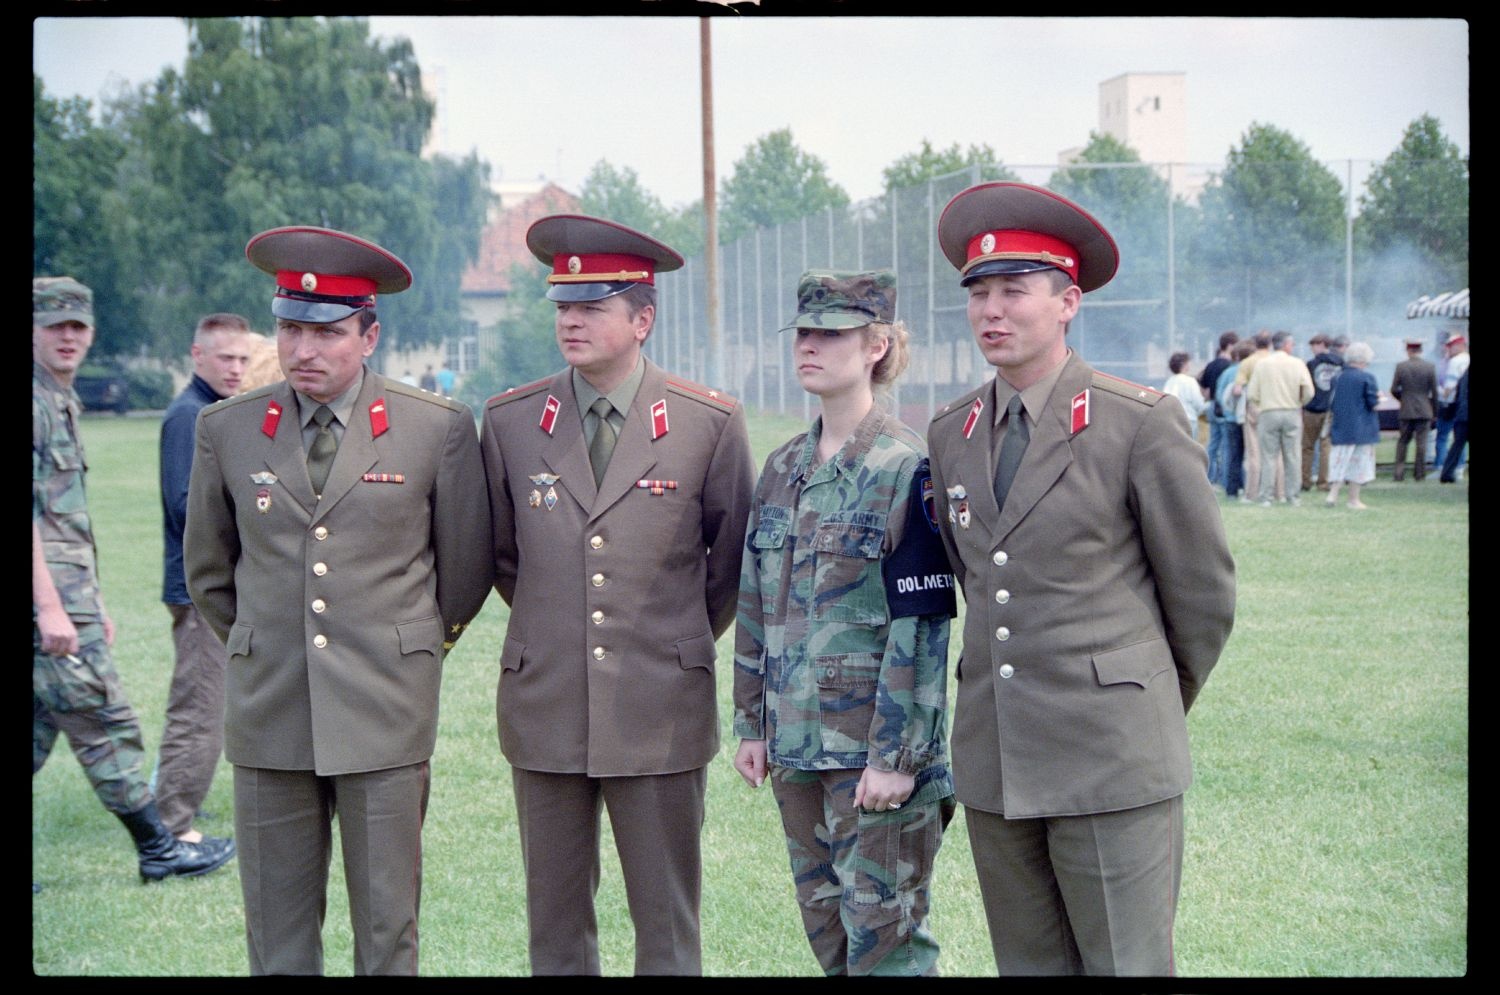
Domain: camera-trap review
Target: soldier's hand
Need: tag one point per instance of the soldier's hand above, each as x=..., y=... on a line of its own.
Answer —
x=750, y=761
x=880, y=790
x=59, y=634
x=109, y=628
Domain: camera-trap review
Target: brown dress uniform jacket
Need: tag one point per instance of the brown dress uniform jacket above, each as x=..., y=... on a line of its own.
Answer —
x=1118, y=595
x=618, y=593
x=335, y=613
x=1415, y=386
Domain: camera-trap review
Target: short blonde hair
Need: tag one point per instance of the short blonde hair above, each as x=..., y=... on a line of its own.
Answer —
x=264, y=366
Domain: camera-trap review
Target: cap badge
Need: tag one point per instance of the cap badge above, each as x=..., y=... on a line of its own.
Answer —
x=987, y=244
x=309, y=282
x=575, y=265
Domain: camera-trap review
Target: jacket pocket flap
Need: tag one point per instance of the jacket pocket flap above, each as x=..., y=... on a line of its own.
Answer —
x=420, y=635
x=1137, y=663
x=512, y=653
x=238, y=643
x=771, y=527
x=851, y=538
x=697, y=651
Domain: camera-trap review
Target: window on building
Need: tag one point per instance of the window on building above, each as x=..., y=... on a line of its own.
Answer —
x=462, y=351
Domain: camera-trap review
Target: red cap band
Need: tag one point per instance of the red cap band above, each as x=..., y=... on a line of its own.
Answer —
x=328, y=284
x=601, y=267
x=1015, y=244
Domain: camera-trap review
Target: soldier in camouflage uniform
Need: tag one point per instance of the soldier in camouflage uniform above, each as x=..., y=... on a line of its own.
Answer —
x=842, y=643
x=75, y=688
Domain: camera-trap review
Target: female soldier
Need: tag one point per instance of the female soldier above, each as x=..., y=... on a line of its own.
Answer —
x=842, y=644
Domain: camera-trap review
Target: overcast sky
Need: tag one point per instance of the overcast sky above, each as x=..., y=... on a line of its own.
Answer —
x=549, y=97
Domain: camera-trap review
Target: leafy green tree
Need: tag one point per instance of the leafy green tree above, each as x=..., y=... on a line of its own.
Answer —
x=772, y=183
x=277, y=121
x=927, y=163
x=73, y=164
x=1419, y=197
x=1273, y=228
x=617, y=194
x=1132, y=201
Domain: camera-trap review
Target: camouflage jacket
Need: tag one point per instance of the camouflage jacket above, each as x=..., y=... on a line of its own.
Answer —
x=58, y=506
x=839, y=662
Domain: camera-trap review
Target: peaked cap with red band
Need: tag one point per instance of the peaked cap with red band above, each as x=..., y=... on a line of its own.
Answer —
x=592, y=258
x=996, y=228
x=324, y=275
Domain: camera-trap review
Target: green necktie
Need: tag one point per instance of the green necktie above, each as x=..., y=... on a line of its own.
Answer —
x=603, y=444
x=1017, y=435
x=324, y=446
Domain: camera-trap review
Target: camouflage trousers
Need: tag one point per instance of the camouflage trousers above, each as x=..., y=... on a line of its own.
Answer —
x=862, y=878
x=81, y=696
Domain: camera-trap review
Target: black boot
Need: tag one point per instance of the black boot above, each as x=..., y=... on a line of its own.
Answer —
x=163, y=855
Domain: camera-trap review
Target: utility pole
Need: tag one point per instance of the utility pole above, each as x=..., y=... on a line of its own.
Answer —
x=710, y=213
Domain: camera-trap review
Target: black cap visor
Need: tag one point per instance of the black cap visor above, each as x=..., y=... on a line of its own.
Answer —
x=574, y=293
x=319, y=311
x=1007, y=267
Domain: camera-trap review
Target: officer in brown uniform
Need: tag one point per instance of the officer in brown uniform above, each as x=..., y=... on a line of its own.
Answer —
x=1415, y=386
x=620, y=496
x=336, y=540
x=1081, y=524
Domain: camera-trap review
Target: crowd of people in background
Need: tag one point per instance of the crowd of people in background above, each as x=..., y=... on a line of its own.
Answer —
x=1263, y=406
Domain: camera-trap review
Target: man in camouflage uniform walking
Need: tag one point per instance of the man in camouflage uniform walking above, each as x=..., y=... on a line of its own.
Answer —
x=75, y=688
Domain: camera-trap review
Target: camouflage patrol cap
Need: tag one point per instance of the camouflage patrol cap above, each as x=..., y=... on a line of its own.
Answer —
x=56, y=299
x=836, y=299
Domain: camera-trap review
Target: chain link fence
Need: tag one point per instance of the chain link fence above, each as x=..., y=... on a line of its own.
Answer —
x=1190, y=270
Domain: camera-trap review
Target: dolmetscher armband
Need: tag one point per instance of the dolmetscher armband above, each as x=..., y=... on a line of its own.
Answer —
x=918, y=579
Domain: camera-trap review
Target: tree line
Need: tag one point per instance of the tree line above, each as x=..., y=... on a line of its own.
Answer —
x=311, y=120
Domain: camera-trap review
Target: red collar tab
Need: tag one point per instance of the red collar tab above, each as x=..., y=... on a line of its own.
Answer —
x=658, y=419
x=378, y=421
x=325, y=284
x=273, y=418
x=549, y=414
x=973, y=418
x=601, y=267
x=1017, y=244
x=1080, y=409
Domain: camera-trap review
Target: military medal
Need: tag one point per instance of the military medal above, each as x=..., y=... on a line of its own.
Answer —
x=658, y=421
x=263, y=500
x=549, y=414
x=273, y=418
x=384, y=478
x=378, y=422
x=958, y=506
x=543, y=480
x=263, y=477
x=1080, y=409
x=973, y=418
x=657, y=487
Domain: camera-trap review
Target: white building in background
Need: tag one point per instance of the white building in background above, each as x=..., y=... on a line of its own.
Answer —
x=1148, y=112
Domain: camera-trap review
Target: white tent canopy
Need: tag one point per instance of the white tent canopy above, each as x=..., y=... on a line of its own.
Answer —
x=1454, y=304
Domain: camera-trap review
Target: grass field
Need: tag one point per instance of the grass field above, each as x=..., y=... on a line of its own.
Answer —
x=1327, y=833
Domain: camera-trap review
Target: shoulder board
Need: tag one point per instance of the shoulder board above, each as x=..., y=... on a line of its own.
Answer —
x=960, y=403
x=516, y=393
x=1125, y=388
x=698, y=392
x=418, y=394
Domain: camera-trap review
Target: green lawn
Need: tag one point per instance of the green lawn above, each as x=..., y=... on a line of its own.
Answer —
x=1327, y=831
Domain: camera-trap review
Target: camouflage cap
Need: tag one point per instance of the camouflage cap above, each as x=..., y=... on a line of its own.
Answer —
x=56, y=299
x=836, y=299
